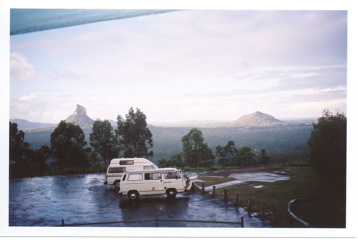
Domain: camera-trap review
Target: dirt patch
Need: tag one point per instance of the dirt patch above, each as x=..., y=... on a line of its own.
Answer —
x=227, y=172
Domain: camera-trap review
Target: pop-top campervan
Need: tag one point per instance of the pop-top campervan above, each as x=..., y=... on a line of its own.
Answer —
x=159, y=181
x=118, y=166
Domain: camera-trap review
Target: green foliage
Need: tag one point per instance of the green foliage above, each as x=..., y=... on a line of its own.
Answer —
x=134, y=135
x=16, y=142
x=26, y=162
x=264, y=158
x=194, y=148
x=67, y=144
x=104, y=141
x=327, y=149
x=246, y=156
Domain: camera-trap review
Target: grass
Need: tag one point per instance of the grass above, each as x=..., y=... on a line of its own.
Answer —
x=273, y=198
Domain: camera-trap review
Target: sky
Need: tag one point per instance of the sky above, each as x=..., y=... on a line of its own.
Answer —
x=183, y=66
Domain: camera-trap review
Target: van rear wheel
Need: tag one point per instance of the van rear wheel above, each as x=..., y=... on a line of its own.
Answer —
x=133, y=195
x=171, y=193
x=117, y=184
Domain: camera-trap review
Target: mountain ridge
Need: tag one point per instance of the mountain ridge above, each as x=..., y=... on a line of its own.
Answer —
x=80, y=117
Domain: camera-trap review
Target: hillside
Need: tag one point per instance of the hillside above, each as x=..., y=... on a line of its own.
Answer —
x=257, y=131
x=256, y=119
x=26, y=125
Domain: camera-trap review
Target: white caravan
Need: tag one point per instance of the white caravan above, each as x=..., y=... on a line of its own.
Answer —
x=159, y=181
x=118, y=166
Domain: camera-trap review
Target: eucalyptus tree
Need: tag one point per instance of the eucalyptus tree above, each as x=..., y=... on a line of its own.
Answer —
x=67, y=144
x=134, y=135
x=327, y=150
x=194, y=148
x=104, y=141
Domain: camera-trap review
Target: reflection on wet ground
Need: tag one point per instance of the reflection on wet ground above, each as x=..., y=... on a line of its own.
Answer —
x=45, y=201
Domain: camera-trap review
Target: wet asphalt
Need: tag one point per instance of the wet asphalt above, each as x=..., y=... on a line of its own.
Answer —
x=83, y=198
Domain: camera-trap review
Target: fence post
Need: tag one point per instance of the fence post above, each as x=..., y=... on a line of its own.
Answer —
x=242, y=222
x=237, y=202
x=203, y=187
x=214, y=188
x=63, y=222
x=156, y=220
x=274, y=218
x=225, y=195
x=249, y=207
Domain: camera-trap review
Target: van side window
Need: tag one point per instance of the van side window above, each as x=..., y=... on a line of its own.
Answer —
x=116, y=170
x=135, y=177
x=172, y=175
x=126, y=162
x=152, y=176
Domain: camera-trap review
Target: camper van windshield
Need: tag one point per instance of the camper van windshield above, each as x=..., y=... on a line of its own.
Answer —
x=126, y=162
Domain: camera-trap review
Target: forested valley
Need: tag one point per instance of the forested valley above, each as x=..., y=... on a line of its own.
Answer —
x=284, y=143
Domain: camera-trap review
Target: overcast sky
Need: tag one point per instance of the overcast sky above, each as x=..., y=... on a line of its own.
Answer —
x=184, y=65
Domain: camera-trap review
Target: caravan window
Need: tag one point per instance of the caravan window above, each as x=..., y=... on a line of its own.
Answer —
x=150, y=167
x=135, y=177
x=126, y=162
x=116, y=170
x=152, y=176
x=172, y=175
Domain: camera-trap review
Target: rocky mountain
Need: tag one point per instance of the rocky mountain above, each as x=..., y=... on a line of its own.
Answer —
x=256, y=119
x=80, y=117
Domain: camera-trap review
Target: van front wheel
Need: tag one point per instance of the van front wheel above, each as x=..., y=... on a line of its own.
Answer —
x=171, y=193
x=133, y=195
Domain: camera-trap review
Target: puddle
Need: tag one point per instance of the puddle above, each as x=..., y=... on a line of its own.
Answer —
x=250, y=177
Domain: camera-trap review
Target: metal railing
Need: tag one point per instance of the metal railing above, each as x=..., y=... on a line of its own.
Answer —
x=161, y=223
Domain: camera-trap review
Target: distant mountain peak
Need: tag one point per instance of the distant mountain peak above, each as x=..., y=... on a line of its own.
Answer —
x=80, y=117
x=80, y=111
x=256, y=119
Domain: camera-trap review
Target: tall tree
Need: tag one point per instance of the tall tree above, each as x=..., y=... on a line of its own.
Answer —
x=246, y=156
x=134, y=135
x=264, y=157
x=194, y=148
x=227, y=153
x=17, y=143
x=104, y=141
x=67, y=144
x=327, y=149
x=17, y=152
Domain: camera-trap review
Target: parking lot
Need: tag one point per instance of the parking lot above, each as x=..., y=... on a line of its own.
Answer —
x=46, y=201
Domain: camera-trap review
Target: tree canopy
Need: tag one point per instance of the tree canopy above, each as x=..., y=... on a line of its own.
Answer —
x=104, y=141
x=134, y=135
x=67, y=144
x=194, y=148
x=327, y=148
x=17, y=143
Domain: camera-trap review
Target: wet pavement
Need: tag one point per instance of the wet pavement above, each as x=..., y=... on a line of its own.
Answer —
x=250, y=177
x=46, y=201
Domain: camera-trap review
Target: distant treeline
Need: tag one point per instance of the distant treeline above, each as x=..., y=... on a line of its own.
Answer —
x=283, y=142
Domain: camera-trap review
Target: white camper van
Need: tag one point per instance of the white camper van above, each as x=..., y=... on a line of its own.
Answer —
x=118, y=166
x=159, y=181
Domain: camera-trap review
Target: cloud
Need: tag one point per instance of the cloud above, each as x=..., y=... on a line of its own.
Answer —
x=28, y=98
x=21, y=68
